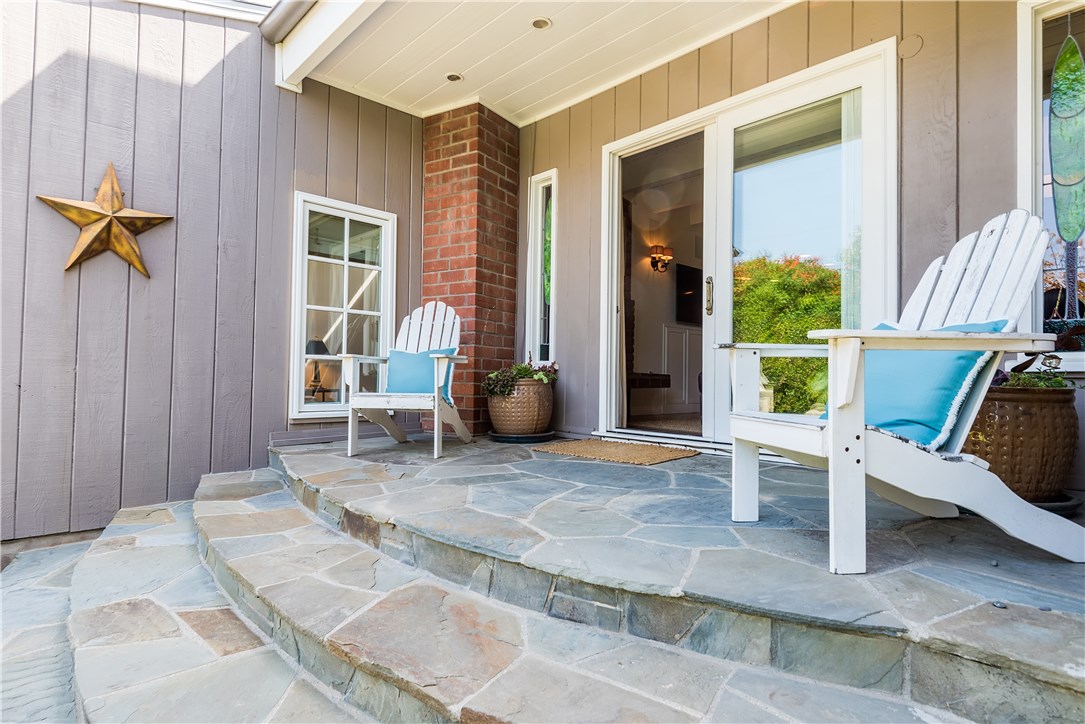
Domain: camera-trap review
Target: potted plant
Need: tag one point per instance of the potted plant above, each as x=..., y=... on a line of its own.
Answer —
x=1026, y=430
x=521, y=398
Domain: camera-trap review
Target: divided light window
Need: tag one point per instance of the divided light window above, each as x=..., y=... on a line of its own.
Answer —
x=343, y=299
x=542, y=217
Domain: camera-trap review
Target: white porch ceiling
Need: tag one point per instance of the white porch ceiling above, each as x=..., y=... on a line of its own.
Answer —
x=401, y=53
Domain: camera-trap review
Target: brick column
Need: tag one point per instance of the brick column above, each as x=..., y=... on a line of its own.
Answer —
x=470, y=201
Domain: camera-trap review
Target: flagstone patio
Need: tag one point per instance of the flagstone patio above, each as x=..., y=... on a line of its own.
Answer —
x=506, y=584
x=652, y=551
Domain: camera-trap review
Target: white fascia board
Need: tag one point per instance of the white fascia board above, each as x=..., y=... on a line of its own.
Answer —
x=316, y=35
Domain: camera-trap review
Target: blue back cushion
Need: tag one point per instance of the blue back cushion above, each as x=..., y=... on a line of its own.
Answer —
x=918, y=394
x=413, y=372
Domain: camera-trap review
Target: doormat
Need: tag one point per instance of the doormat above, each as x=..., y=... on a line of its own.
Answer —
x=617, y=452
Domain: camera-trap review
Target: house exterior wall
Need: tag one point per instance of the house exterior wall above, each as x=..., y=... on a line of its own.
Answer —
x=957, y=134
x=119, y=390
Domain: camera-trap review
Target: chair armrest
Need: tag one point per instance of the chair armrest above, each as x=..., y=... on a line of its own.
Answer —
x=954, y=341
x=779, y=350
x=456, y=358
x=364, y=358
x=351, y=366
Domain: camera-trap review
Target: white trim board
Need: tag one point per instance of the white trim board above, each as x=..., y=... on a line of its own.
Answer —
x=873, y=68
x=1030, y=17
x=299, y=254
x=252, y=11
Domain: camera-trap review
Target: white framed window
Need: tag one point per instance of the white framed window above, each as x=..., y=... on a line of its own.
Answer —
x=542, y=224
x=343, y=299
x=1041, y=27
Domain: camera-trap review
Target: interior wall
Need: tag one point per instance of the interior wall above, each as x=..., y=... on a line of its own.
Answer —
x=957, y=127
x=119, y=390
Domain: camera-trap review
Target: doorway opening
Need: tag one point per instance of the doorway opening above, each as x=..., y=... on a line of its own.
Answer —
x=662, y=293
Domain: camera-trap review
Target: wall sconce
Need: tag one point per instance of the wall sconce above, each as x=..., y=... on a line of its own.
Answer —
x=661, y=258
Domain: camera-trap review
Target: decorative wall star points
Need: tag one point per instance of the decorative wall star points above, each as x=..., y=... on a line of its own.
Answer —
x=105, y=224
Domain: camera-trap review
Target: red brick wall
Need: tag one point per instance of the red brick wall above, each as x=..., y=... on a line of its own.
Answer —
x=470, y=200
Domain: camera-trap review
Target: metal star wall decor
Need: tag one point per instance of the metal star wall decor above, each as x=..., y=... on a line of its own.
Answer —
x=105, y=224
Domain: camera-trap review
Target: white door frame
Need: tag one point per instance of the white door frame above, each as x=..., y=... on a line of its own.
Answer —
x=874, y=69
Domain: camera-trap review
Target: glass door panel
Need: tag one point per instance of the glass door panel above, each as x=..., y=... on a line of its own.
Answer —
x=796, y=240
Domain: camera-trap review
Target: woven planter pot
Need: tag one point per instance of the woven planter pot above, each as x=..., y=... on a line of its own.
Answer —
x=1029, y=437
x=525, y=412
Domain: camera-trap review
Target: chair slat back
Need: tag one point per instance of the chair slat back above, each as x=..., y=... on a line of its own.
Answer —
x=916, y=308
x=986, y=275
x=433, y=326
x=949, y=280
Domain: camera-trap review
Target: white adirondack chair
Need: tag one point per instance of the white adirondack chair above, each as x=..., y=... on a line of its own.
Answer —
x=987, y=276
x=433, y=326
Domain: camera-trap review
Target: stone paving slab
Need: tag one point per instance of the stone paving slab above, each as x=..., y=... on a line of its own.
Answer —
x=153, y=638
x=35, y=658
x=409, y=646
x=766, y=576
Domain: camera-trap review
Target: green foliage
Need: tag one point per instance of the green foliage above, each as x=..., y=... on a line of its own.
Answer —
x=1035, y=380
x=779, y=302
x=502, y=382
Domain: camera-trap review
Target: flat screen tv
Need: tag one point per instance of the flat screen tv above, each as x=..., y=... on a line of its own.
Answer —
x=688, y=295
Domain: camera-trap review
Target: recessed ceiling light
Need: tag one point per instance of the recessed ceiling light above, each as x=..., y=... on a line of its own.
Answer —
x=541, y=23
x=454, y=77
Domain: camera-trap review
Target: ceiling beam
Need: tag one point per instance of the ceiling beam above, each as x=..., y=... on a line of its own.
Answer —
x=327, y=24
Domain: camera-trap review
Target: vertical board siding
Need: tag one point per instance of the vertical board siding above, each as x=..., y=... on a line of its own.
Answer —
x=830, y=29
x=46, y=410
x=103, y=284
x=928, y=144
x=199, y=181
x=750, y=57
x=682, y=85
x=714, y=73
x=17, y=22
x=236, y=268
x=955, y=118
x=274, y=236
x=145, y=466
x=788, y=44
x=118, y=390
x=987, y=112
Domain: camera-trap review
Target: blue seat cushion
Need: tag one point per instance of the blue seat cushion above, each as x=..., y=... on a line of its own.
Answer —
x=918, y=394
x=412, y=372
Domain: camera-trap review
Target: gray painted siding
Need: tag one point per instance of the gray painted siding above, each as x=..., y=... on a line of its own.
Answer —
x=957, y=129
x=119, y=390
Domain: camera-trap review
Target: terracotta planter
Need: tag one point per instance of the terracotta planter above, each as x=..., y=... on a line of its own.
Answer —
x=1029, y=437
x=525, y=412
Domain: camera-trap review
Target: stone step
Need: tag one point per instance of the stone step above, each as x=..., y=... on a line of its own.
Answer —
x=154, y=638
x=405, y=645
x=652, y=553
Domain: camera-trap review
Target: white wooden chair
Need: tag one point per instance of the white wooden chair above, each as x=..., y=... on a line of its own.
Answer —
x=435, y=326
x=987, y=276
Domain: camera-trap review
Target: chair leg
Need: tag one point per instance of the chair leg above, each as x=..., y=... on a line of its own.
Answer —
x=452, y=417
x=382, y=418
x=438, y=425
x=352, y=432
x=745, y=480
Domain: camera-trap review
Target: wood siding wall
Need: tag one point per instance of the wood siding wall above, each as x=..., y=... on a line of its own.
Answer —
x=957, y=135
x=118, y=390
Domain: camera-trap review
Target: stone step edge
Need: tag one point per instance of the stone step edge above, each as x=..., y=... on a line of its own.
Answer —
x=267, y=644
x=587, y=603
x=396, y=697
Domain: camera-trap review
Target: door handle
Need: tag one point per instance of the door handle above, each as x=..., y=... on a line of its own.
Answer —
x=708, y=296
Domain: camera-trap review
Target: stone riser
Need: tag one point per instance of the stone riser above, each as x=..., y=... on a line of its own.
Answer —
x=926, y=670
x=394, y=647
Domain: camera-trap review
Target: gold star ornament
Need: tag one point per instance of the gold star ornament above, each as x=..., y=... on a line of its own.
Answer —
x=106, y=225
